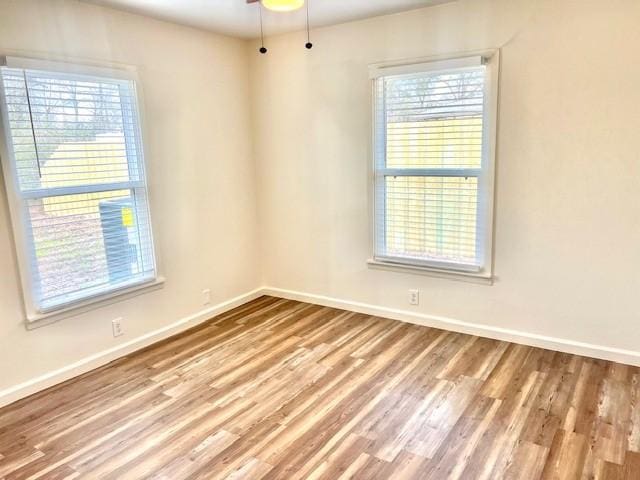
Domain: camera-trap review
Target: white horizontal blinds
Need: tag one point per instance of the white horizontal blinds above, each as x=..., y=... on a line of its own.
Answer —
x=429, y=167
x=79, y=127
x=78, y=166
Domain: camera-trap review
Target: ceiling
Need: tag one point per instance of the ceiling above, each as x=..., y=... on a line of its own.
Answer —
x=236, y=18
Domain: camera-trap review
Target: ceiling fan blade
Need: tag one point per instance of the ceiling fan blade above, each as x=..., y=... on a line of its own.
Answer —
x=252, y=1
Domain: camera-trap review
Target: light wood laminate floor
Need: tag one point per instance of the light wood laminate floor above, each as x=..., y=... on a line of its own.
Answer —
x=288, y=390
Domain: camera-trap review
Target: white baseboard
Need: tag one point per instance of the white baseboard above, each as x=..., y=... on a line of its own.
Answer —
x=87, y=364
x=619, y=355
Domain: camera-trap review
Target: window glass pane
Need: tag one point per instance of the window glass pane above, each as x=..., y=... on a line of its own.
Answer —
x=87, y=243
x=431, y=218
x=434, y=121
x=69, y=132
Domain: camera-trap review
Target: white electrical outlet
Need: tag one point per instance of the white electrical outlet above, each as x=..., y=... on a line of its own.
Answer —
x=414, y=297
x=206, y=296
x=116, y=325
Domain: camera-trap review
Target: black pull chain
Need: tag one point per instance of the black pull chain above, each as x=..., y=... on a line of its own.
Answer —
x=263, y=50
x=308, y=45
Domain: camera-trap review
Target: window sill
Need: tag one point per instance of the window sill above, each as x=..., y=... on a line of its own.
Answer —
x=36, y=320
x=481, y=278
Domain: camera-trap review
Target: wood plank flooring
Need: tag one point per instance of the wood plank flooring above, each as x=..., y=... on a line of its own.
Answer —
x=278, y=389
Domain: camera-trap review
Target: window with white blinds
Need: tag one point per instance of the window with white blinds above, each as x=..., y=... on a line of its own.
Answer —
x=433, y=165
x=74, y=166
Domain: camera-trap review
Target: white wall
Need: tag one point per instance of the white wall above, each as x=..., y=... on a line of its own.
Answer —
x=200, y=166
x=567, y=242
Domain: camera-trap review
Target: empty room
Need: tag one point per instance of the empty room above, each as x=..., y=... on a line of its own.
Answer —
x=320, y=239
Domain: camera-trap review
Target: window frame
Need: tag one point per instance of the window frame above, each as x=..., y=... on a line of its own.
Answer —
x=485, y=175
x=17, y=199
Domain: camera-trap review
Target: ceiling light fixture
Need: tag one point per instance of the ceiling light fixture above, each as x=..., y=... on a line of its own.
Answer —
x=283, y=5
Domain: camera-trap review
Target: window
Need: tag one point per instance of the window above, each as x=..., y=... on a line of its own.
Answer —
x=433, y=128
x=74, y=171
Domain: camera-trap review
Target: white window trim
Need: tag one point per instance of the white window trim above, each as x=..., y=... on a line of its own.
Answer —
x=33, y=316
x=491, y=59
x=93, y=303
